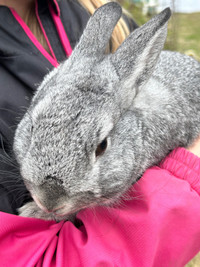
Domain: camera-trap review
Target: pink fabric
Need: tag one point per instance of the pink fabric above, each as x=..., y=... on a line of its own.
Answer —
x=31, y=36
x=157, y=225
x=57, y=7
x=61, y=31
x=43, y=31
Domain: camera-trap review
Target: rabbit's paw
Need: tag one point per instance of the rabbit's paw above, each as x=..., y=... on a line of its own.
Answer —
x=32, y=210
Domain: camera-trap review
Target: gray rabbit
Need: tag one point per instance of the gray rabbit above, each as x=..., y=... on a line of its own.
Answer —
x=98, y=121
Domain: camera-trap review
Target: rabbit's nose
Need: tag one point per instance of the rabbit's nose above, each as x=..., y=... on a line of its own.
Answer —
x=38, y=202
x=42, y=207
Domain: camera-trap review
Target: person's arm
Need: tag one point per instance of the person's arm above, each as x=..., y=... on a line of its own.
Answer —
x=157, y=224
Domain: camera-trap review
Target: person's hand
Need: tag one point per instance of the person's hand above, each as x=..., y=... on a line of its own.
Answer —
x=195, y=147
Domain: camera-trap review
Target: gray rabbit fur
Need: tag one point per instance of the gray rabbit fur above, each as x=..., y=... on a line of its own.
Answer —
x=135, y=105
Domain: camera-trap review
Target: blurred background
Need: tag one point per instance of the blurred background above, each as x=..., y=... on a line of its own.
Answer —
x=184, y=25
x=183, y=32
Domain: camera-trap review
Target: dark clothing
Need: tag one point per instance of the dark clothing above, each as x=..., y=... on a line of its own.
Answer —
x=22, y=68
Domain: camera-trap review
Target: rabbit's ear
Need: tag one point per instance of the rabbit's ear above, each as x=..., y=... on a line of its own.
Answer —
x=136, y=58
x=98, y=30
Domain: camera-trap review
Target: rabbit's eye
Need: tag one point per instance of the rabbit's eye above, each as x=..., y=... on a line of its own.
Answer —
x=32, y=129
x=101, y=148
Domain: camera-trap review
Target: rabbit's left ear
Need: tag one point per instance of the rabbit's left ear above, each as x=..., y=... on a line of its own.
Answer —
x=98, y=31
x=136, y=58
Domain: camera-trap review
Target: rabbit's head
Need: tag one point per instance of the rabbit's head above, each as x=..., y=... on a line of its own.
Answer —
x=68, y=147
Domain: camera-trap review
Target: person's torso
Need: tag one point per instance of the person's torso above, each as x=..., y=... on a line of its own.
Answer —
x=23, y=60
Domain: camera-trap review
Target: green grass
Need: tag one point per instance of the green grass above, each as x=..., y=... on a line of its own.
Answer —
x=183, y=30
x=184, y=34
x=135, y=11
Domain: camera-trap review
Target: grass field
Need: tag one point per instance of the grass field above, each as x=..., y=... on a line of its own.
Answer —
x=184, y=34
x=183, y=30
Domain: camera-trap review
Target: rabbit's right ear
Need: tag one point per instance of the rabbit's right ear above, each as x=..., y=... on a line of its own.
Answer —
x=98, y=31
x=136, y=58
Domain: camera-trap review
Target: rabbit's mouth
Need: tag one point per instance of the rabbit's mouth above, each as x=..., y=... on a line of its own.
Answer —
x=59, y=211
x=55, y=211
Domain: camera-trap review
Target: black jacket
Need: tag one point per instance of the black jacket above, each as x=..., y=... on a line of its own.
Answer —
x=22, y=68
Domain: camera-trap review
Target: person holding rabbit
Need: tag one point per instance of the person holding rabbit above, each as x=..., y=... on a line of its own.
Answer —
x=150, y=225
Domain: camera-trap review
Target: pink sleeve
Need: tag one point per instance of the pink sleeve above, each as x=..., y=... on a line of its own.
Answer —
x=157, y=224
